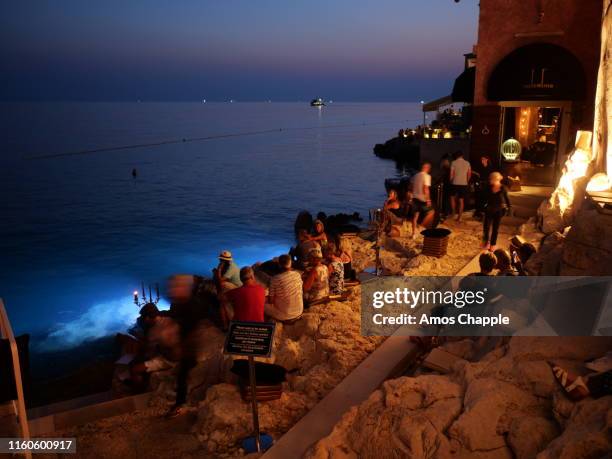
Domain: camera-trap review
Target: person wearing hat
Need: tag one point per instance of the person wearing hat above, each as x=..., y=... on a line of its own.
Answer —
x=316, y=278
x=227, y=271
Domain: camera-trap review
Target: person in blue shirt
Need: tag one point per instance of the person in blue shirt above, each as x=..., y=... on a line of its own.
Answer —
x=227, y=270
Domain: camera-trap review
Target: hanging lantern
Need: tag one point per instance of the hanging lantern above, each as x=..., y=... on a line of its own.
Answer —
x=511, y=149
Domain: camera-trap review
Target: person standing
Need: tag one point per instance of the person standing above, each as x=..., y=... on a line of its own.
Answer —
x=446, y=186
x=497, y=204
x=460, y=177
x=421, y=197
x=482, y=173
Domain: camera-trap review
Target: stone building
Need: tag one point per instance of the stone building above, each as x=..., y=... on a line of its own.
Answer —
x=535, y=83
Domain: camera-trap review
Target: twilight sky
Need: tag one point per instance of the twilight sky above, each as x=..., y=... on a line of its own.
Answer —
x=360, y=50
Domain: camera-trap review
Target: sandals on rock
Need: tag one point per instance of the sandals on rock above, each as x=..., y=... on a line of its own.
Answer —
x=575, y=386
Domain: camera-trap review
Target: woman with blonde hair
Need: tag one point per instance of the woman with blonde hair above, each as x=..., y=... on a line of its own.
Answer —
x=497, y=204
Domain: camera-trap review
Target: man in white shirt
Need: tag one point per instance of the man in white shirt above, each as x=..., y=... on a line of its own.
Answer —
x=421, y=198
x=460, y=177
x=285, y=300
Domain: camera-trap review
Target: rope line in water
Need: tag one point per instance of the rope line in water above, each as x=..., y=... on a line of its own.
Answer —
x=201, y=139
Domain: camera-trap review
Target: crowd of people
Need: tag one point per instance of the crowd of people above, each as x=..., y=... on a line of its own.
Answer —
x=458, y=183
x=315, y=271
x=503, y=262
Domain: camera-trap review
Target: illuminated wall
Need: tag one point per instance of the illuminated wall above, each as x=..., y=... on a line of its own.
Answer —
x=602, y=147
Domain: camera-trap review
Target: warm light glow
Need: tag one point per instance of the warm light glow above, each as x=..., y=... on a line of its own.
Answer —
x=575, y=167
x=448, y=135
x=599, y=182
x=511, y=149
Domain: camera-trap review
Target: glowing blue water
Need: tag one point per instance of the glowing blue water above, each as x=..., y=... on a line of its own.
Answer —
x=78, y=233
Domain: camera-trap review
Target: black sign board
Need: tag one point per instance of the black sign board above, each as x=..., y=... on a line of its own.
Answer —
x=250, y=338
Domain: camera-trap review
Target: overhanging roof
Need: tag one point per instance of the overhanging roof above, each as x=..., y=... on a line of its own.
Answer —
x=463, y=89
x=434, y=104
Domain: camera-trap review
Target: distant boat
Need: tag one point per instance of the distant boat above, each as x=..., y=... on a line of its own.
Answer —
x=317, y=102
x=203, y=101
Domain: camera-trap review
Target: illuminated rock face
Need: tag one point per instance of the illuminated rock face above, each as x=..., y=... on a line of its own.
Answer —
x=602, y=146
x=558, y=211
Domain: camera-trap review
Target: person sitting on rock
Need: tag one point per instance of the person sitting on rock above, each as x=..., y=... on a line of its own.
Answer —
x=285, y=297
x=249, y=300
x=318, y=233
x=162, y=343
x=392, y=202
x=487, y=262
x=346, y=255
x=391, y=210
x=504, y=263
x=521, y=255
x=305, y=245
x=226, y=271
x=316, y=278
x=421, y=198
x=335, y=269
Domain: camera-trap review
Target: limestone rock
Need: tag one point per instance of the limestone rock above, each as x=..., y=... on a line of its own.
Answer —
x=405, y=418
x=586, y=434
x=228, y=418
x=551, y=216
x=547, y=260
x=392, y=263
x=363, y=253
x=581, y=348
x=588, y=246
x=489, y=405
x=530, y=435
x=319, y=350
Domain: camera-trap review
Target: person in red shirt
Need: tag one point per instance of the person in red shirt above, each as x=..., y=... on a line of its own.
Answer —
x=249, y=299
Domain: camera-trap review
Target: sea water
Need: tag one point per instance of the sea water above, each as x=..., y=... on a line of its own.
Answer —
x=79, y=233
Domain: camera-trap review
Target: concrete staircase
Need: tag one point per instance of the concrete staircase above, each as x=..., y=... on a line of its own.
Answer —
x=525, y=203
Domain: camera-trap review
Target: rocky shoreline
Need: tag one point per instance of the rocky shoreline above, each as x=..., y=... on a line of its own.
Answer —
x=318, y=351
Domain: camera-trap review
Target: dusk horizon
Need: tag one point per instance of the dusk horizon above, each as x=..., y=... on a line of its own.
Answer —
x=345, y=51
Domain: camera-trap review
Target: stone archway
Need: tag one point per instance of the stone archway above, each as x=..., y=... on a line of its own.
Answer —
x=538, y=71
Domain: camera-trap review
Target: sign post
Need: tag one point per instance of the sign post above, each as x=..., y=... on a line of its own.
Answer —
x=252, y=380
x=251, y=339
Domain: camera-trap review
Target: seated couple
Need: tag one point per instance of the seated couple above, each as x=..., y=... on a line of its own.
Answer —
x=248, y=302
x=308, y=240
x=415, y=205
x=324, y=276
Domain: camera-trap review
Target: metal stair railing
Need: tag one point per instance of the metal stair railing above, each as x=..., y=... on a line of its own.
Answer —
x=6, y=332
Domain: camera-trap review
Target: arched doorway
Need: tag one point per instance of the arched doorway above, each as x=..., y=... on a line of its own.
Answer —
x=536, y=86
